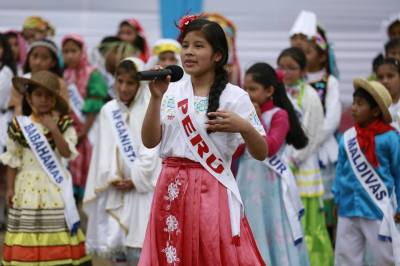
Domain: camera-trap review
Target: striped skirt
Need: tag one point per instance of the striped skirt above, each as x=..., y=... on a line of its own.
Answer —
x=41, y=237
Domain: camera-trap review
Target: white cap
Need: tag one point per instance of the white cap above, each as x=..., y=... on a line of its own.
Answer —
x=306, y=23
x=388, y=22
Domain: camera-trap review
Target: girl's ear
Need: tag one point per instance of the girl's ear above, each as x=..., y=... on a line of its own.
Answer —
x=269, y=91
x=217, y=56
x=323, y=59
x=376, y=112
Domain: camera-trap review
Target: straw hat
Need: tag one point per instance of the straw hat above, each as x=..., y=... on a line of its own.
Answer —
x=46, y=80
x=380, y=94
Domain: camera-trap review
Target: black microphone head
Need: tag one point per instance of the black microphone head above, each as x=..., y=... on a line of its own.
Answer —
x=176, y=72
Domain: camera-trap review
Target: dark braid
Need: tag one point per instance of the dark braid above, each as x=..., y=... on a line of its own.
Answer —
x=215, y=36
x=220, y=81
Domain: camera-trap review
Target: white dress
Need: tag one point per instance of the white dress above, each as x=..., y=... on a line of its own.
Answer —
x=119, y=219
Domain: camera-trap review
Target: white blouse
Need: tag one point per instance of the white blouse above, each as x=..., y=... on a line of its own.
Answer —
x=232, y=99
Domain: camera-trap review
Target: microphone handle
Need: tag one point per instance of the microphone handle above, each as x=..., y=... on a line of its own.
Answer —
x=153, y=74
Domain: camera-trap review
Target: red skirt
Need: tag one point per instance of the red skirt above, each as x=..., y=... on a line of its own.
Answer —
x=79, y=167
x=189, y=222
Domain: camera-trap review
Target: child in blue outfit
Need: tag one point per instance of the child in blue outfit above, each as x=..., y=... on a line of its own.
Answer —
x=367, y=181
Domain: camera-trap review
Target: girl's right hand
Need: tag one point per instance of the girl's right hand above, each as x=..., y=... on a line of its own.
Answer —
x=159, y=86
x=9, y=198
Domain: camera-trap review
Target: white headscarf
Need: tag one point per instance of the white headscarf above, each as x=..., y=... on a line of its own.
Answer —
x=139, y=105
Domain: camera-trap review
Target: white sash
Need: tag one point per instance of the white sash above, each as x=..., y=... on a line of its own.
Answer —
x=376, y=189
x=291, y=197
x=50, y=164
x=202, y=147
x=76, y=101
x=121, y=132
x=290, y=194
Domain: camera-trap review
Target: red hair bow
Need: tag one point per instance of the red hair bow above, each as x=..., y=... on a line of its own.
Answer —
x=185, y=20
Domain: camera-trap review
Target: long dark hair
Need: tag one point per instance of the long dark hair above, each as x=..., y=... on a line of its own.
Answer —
x=8, y=58
x=215, y=36
x=26, y=108
x=296, y=54
x=139, y=42
x=266, y=76
x=56, y=69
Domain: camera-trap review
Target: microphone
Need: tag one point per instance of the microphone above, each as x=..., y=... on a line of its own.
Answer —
x=176, y=73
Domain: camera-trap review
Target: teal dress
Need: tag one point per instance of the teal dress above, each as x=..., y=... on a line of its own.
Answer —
x=260, y=189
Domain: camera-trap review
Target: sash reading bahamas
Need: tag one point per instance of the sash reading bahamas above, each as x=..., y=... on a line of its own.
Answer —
x=44, y=152
x=372, y=181
x=50, y=164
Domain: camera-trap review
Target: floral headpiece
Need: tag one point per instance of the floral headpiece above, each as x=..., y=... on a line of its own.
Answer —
x=185, y=20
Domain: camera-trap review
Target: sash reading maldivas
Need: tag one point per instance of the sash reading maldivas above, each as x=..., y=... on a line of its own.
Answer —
x=376, y=189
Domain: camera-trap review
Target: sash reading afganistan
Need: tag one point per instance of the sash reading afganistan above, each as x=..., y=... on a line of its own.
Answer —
x=121, y=132
x=376, y=190
x=50, y=164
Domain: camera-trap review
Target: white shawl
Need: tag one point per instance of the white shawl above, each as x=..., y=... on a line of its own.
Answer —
x=118, y=219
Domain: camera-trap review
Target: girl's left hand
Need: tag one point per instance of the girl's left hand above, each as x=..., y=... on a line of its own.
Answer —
x=47, y=120
x=226, y=122
x=397, y=218
x=124, y=185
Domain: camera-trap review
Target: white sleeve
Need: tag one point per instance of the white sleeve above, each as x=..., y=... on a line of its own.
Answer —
x=6, y=76
x=333, y=109
x=312, y=121
x=146, y=169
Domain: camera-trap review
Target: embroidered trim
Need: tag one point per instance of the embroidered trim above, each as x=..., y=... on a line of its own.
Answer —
x=172, y=224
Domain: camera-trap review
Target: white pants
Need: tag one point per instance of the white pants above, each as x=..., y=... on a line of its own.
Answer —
x=354, y=237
